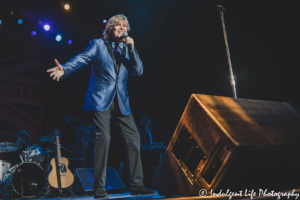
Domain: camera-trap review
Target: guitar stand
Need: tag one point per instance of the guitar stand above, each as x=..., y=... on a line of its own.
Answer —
x=60, y=190
x=71, y=193
x=54, y=192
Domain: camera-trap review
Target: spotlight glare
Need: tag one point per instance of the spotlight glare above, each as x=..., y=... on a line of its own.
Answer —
x=47, y=27
x=67, y=6
x=0, y=21
x=33, y=33
x=70, y=42
x=104, y=21
x=20, y=21
x=58, y=38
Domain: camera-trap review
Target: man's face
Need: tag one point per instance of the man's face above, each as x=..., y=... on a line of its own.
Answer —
x=118, y=30
x=147, y=125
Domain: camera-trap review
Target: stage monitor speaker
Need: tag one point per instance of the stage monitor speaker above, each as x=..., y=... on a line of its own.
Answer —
x=236, y=144
x=84, y=181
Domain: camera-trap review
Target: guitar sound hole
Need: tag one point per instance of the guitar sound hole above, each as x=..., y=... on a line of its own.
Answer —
x=62, y=168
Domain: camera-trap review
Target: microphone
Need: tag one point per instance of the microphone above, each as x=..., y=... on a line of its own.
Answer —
x=220, y=8
x=125, y=36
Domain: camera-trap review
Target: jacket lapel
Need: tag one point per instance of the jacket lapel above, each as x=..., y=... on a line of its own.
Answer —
x=109, y=48
x=123, y=54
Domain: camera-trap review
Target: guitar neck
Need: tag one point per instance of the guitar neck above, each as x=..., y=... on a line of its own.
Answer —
x=58, y=149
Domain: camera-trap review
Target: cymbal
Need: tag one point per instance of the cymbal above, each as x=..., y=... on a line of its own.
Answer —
x=8, y=146
x=48, y=138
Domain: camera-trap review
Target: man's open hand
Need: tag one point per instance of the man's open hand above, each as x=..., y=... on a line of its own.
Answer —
x=57, y=72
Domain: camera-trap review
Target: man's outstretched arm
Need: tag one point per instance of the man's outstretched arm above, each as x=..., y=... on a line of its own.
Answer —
x=75, y=63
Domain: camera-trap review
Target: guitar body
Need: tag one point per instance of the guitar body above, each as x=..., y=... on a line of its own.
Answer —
x=66, y=175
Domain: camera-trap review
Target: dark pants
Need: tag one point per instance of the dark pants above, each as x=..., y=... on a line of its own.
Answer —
x=131, y=137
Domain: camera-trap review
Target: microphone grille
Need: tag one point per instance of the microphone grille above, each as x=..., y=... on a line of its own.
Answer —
x=125, y=34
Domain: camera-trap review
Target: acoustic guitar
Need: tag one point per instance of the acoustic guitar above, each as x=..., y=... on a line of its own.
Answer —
x=60, y=176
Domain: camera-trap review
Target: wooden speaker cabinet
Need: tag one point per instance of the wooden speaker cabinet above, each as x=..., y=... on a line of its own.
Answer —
x=227, y=143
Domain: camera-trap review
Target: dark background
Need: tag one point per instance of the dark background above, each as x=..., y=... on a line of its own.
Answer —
x=185, y=54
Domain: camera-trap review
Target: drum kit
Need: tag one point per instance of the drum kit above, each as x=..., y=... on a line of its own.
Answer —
x=28, y=178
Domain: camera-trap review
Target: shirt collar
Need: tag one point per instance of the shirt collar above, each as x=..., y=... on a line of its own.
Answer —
x=121, y=44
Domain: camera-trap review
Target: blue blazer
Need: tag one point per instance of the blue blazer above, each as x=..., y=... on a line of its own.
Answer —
x=106, y=81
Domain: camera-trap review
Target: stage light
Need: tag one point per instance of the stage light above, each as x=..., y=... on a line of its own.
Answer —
x=20, y=21
x=0, y=21
x=104, y=21
x=58, y=38
x=70, y=42
x=47, y=27
x=67, y=6
x=33, y=33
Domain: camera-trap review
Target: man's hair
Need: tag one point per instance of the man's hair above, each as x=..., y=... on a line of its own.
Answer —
x=113, y=21
x=23, y=134
x=144, y=121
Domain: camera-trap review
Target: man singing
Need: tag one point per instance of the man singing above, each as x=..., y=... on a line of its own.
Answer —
x=113, y=59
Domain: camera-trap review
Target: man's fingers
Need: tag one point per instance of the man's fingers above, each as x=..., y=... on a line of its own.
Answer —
x=51, y=70
x=56, y=71
x=53, y=74
x=56, y=62
x=60, y=68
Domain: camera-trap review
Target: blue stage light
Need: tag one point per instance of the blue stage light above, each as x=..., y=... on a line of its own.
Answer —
x=70, y=42
x=104, y=21
x=33, y=33
x=58, y=38
x=20, y=21
x=47, y=27
x=0, y=21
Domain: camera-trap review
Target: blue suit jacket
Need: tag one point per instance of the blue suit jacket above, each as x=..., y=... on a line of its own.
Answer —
x=105, y=81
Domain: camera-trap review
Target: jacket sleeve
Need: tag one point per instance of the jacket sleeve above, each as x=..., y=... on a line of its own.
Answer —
x=137, y=65
x=80, y=60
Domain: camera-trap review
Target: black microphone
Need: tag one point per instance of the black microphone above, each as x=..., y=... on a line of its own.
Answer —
x=220, y=8
x=125, y=34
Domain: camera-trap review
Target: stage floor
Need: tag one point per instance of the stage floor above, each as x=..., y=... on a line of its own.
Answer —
x=293, y=195
x=127, y=196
